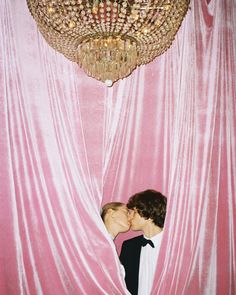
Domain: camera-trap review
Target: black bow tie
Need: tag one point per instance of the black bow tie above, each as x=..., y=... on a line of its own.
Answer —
x=144, y=242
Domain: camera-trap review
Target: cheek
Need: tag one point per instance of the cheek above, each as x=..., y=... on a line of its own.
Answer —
x=135, y=221
x=124, y=223
x=124, y=219
x=130, y=215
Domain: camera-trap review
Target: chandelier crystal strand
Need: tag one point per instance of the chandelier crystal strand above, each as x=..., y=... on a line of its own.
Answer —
x=109, y=38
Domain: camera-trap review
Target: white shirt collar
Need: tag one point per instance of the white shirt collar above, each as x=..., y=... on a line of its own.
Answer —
x=155, y=239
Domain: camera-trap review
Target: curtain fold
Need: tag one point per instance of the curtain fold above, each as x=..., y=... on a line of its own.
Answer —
x=68, y=145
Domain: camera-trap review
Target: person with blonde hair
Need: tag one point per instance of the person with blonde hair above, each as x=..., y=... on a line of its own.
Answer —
x=115, y=218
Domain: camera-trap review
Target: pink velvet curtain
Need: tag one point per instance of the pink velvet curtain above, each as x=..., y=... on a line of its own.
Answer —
x=68, y=144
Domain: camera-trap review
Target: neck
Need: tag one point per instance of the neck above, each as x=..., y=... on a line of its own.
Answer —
x=151, y=230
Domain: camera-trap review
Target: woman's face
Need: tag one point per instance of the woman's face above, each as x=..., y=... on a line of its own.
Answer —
x=120, y=216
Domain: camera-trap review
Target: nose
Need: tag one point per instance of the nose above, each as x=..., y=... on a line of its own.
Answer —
x=130, y=215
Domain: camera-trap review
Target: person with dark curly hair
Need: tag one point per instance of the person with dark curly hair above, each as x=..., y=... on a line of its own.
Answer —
x=139, y=254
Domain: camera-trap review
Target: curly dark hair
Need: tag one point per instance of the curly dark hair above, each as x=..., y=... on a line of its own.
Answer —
x=150, y=204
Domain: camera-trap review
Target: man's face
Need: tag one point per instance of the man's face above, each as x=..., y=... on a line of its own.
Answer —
x=137, y=222
x=121, y=218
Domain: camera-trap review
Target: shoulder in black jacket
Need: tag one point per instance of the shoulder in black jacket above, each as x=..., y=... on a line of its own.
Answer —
x=130, y=257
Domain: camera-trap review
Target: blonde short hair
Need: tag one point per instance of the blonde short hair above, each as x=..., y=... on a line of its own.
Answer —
x=113, y=205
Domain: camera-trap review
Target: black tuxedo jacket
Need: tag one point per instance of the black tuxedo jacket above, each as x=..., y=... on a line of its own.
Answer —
x=130, y=257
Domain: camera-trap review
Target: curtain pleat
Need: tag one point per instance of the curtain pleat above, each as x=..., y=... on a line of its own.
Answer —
x=69, y=144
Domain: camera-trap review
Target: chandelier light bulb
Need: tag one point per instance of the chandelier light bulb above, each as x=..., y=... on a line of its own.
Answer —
x=109, y=38
x=108, y=83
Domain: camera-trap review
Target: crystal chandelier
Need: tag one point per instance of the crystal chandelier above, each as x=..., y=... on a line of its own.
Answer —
x=109, y=38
